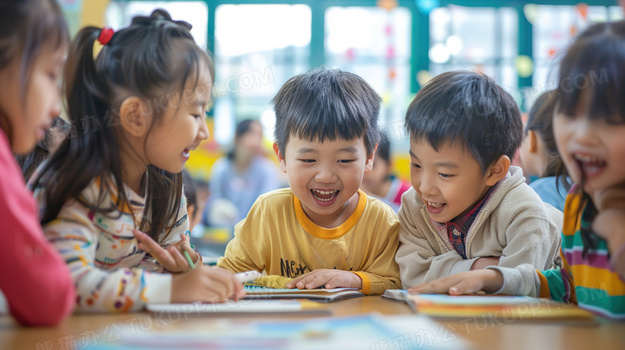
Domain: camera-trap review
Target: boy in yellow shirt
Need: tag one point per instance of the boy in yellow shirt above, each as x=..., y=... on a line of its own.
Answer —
x=323, y=231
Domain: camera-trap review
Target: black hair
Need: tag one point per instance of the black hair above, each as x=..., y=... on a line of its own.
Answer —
x=540, y=120
x=190, y=190
x=327, y=104
x=469, y=108
x=31, y=161
x=384, y=148
x=26, y=27
x=592, y=71
x=242, y=128
x=153, y=57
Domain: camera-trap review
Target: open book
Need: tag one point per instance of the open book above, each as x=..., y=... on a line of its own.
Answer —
x=512, y=308
x=320, y=294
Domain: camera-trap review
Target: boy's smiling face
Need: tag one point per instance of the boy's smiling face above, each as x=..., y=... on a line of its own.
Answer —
x=449, y=181
x=325, y=176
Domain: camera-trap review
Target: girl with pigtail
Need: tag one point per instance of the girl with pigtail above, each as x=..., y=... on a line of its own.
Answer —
x=111, y=196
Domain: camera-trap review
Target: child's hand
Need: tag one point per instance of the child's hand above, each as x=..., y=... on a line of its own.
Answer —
x=469, y=282
x=609, y=198
x=609, y=223
x=205, y=284
x=482, y=263
x=328, y=278
x=172, y=258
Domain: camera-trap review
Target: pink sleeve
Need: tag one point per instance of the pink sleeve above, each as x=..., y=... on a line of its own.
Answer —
x=405, y=186
x=34, y=279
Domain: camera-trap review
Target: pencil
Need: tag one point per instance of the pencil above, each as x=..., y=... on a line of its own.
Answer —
x=188, y=257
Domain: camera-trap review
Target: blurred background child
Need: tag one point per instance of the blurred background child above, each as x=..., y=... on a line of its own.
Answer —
x=239, y=178
x=380, y=181
x=194, y=206
x=539, y=153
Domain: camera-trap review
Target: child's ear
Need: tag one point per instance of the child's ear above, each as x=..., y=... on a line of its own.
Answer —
x=370, y=159
x=498, y=170
x=131, y=119
x=533, y=140
x=280, y=156
x=190, y=212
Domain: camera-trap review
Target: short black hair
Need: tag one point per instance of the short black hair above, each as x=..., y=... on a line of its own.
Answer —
x=384, y=148
x=470, y=108
x=327, y=104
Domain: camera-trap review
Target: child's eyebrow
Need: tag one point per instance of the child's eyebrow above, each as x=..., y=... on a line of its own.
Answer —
x=199, y=103
x=350, y=149
x=441, y=164
x=59, y=60
x=306, y=150
x=447, y=164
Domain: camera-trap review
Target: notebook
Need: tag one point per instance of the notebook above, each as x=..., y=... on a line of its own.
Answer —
x=512, y=308
x=320, y=294
x=243, y=307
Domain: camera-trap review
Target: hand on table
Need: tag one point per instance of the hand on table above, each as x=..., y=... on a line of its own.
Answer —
x=328, y=278
x=469, y=282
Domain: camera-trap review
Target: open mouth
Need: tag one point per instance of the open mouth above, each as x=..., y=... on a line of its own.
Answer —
x=435, y=205
x=186, y=152
x=324, y=196
x=435, y=208
x=590, y=166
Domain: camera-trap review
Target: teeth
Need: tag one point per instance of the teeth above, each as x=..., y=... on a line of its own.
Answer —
x=435, y=205
x=587, y=159
x=591, y=169
x=317, y=193
x=324, y=192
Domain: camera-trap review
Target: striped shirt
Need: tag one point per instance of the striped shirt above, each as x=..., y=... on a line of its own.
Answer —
x=109, y=270
x=589, y=281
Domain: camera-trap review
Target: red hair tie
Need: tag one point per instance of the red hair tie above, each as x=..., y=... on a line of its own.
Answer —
x=105, y=35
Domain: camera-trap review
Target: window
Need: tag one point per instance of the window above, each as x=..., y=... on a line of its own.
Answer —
x=554, y=28
x=374, y=43
x=257, y=49
x=483, y=39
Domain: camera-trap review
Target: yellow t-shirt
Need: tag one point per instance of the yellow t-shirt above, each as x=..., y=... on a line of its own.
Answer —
x=279, y=238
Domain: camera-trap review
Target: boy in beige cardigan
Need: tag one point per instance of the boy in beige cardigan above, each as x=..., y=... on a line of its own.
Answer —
x=468, y=208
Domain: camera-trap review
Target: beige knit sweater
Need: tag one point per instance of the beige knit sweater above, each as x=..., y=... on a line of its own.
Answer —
x=514, y=224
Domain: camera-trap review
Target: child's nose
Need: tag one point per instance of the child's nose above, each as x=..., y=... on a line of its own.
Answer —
x=325, y=175
x=584, y=133
x=55, y=109
x=427, y=186
x=203, y=132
